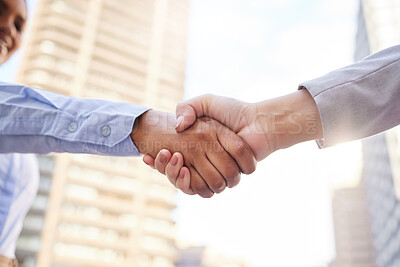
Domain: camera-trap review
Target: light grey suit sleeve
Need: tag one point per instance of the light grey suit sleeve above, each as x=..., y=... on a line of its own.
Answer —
x=359, y=100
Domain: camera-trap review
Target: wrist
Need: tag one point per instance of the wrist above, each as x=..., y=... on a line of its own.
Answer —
x=137, y=134
x=301, y=121
x=148, y=130
x=290, y=120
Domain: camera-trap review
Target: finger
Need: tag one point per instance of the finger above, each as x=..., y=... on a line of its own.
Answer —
x=173, y=167
x=211, y=175
x=238, y=149
x=162, y=159
x=225, y=164
x=198, y=185
x=185, y=118
x=149, y=160
x=183, y=181
x=187, y=111
x=223, y=109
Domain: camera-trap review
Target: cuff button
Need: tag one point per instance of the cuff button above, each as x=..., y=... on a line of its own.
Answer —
x=106, y=131
x=72, y=127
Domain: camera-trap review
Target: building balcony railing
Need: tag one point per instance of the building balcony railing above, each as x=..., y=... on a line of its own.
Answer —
x=103, y=223
x=69, y=261
x=157, y=214
x=106, y=205
x=121, y=246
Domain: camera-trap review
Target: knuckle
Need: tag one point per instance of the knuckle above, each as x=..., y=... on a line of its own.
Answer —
x=232, y=173
x=219, y=186
x=208, y=194
x=160, y=166
x=207, y=96
x=234, y=182
x=240, y=149
x=250, y=167
x=170, y=172
x=253, y=167
x=200, y=189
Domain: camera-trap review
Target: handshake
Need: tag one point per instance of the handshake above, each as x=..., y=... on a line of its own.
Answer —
x=212, y=139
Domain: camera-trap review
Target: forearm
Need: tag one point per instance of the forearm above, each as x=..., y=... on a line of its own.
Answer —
x=40, y=144
x=359, y=100
x=347, y=104
x=37, y=121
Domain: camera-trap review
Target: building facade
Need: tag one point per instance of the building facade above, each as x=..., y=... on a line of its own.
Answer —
x=382, y=20
x=92, y=210
x=378, y=28
x=201, y=256
x=352, y=224
x=354, y=246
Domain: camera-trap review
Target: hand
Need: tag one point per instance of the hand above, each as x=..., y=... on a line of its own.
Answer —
x=213, y=154
x=266, y=126
x=172, y=167
x=243, y=118
x=240, y=116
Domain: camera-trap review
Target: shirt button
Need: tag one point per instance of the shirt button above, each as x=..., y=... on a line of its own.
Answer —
x=72, y=127
x=106, y=131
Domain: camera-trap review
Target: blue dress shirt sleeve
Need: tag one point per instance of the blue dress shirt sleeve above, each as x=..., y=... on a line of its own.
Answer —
x=37, y=121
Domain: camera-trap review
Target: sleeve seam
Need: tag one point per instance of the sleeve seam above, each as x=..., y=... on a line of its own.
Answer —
x=366, y=75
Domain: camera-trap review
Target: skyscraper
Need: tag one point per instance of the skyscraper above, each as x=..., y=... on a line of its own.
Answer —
x=352, y=225
x=354, y=247
x=379, y=152
x=102, y=211
x=201, y=256
x=378, y=28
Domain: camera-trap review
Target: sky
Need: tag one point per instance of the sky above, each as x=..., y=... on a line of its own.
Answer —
x=254, y=50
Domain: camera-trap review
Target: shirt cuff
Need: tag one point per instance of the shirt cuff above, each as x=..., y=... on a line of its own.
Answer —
x=320, y=142
x=105, y=131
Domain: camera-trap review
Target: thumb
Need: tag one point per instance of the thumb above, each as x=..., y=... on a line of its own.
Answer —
x=185, y=116
x=188, y=111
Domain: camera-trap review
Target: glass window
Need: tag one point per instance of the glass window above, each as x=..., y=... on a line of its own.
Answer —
x=393, y=140
x=79, y=191
x=159, y=226
x=40, y=202
x=38, y=76
x=34, y=222
x=44, y=60
x=90, y=232
x=155, y=243
x=128, y=220
x=161, y=192
x=47, y=46
x=46, y=164
x=162, y=262
x=31, y=243
x=90, y=253
x=44, y=183
x=66, y=66
x=98, y=177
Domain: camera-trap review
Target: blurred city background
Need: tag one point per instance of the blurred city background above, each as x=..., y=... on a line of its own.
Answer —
x=303, y=207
